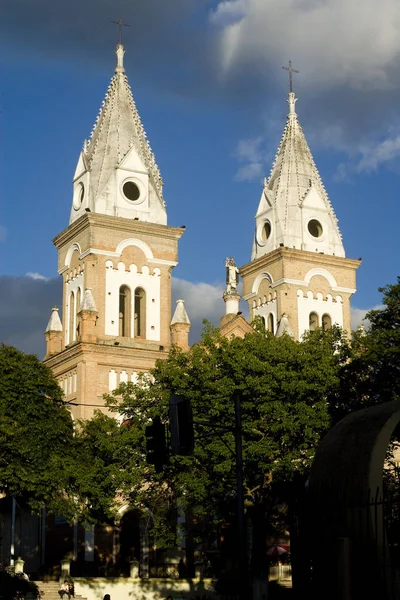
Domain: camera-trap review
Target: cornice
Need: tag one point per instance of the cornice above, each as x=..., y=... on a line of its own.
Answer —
x=106, y=347
x=298, y=255
x=129, y=226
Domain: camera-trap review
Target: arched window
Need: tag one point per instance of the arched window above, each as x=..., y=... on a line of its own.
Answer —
x=125, y=309
x=71, y=319
x=313, y=321
x=271, y=327
x=140, y=313
x=326, y=322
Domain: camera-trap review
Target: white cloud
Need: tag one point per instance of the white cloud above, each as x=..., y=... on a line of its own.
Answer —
x=334, y=41
x=368, y=156
x=250, y=152
x=36, y=276
x=202, y=301
x=249, y=172
x=374, y=155
x=229, y=11
x=358, y=316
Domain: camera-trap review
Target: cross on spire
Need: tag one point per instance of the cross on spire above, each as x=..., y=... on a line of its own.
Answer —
x=291, y=70
x=121, y=25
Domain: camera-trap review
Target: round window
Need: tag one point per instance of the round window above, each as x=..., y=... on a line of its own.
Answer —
x=266, y=231
x=79, y=196
x=131, y=191
x=315, y=228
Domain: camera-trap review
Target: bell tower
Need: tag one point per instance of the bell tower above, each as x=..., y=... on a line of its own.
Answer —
x=298, y=277
x=115, y=257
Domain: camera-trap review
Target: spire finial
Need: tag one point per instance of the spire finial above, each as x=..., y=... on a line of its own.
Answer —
x=121, y=24
x=291, y=70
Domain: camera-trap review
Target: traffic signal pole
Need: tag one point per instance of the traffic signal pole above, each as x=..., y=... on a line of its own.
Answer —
x=182, y=443
x=241, y=527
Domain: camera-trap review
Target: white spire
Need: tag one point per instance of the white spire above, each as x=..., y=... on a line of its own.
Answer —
x=180, y=314
x=294, y=209
x=54, y=323
x=117, y=153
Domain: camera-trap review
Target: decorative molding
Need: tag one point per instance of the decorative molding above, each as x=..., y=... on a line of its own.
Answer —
x=134, y=242
x=344, y=290
x=73, y=247
x=260, y=277
x=97, y=251
x=162, y=261
x=290, y=281
x=323, y=273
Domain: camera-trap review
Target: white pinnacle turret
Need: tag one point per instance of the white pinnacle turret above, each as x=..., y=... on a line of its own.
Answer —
x=54, y=323
x=180, y=314
x=88, y=302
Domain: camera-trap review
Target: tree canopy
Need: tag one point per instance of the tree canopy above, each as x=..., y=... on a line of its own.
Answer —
x=284, y=387
x=36, y=432
x=372, y=375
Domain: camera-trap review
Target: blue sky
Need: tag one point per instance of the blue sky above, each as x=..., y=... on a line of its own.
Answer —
x=208, y=83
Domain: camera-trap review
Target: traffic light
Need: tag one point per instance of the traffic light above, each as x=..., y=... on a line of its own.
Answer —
x=181, y=424
x=156, y=444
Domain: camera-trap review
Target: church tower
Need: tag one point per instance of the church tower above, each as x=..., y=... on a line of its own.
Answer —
x=115, y=257
x=298, y=278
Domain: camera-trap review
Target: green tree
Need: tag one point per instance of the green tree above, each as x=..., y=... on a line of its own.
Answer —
x=36, y=433
x=372, y=375
x=284, y=387
x=14, y=587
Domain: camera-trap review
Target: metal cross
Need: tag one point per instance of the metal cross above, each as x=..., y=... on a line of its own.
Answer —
x=121, y=25
x=291, y=70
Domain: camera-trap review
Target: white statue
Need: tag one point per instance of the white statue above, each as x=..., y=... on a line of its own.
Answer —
x=232, y=274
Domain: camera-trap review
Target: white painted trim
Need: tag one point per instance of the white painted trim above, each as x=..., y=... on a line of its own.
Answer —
x=63, y=269
x=260, y=277
x=111, y=254
x=344, y=290
x=323, y=273
x=250, y=296
x=162, y=261
x=288, y=280
x=134, y=242
x=96, y=251
x=71, y=250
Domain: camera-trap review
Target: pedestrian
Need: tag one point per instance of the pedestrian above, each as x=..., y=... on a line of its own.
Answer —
x=64, y=590
x=107, y=597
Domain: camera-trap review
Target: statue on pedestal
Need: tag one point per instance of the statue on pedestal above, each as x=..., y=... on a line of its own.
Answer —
x=232, y=274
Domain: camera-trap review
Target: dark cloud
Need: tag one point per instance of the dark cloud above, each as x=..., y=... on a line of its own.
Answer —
x=176, y=46
x=26, y=303
x=25, y=307
x=162, y=33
